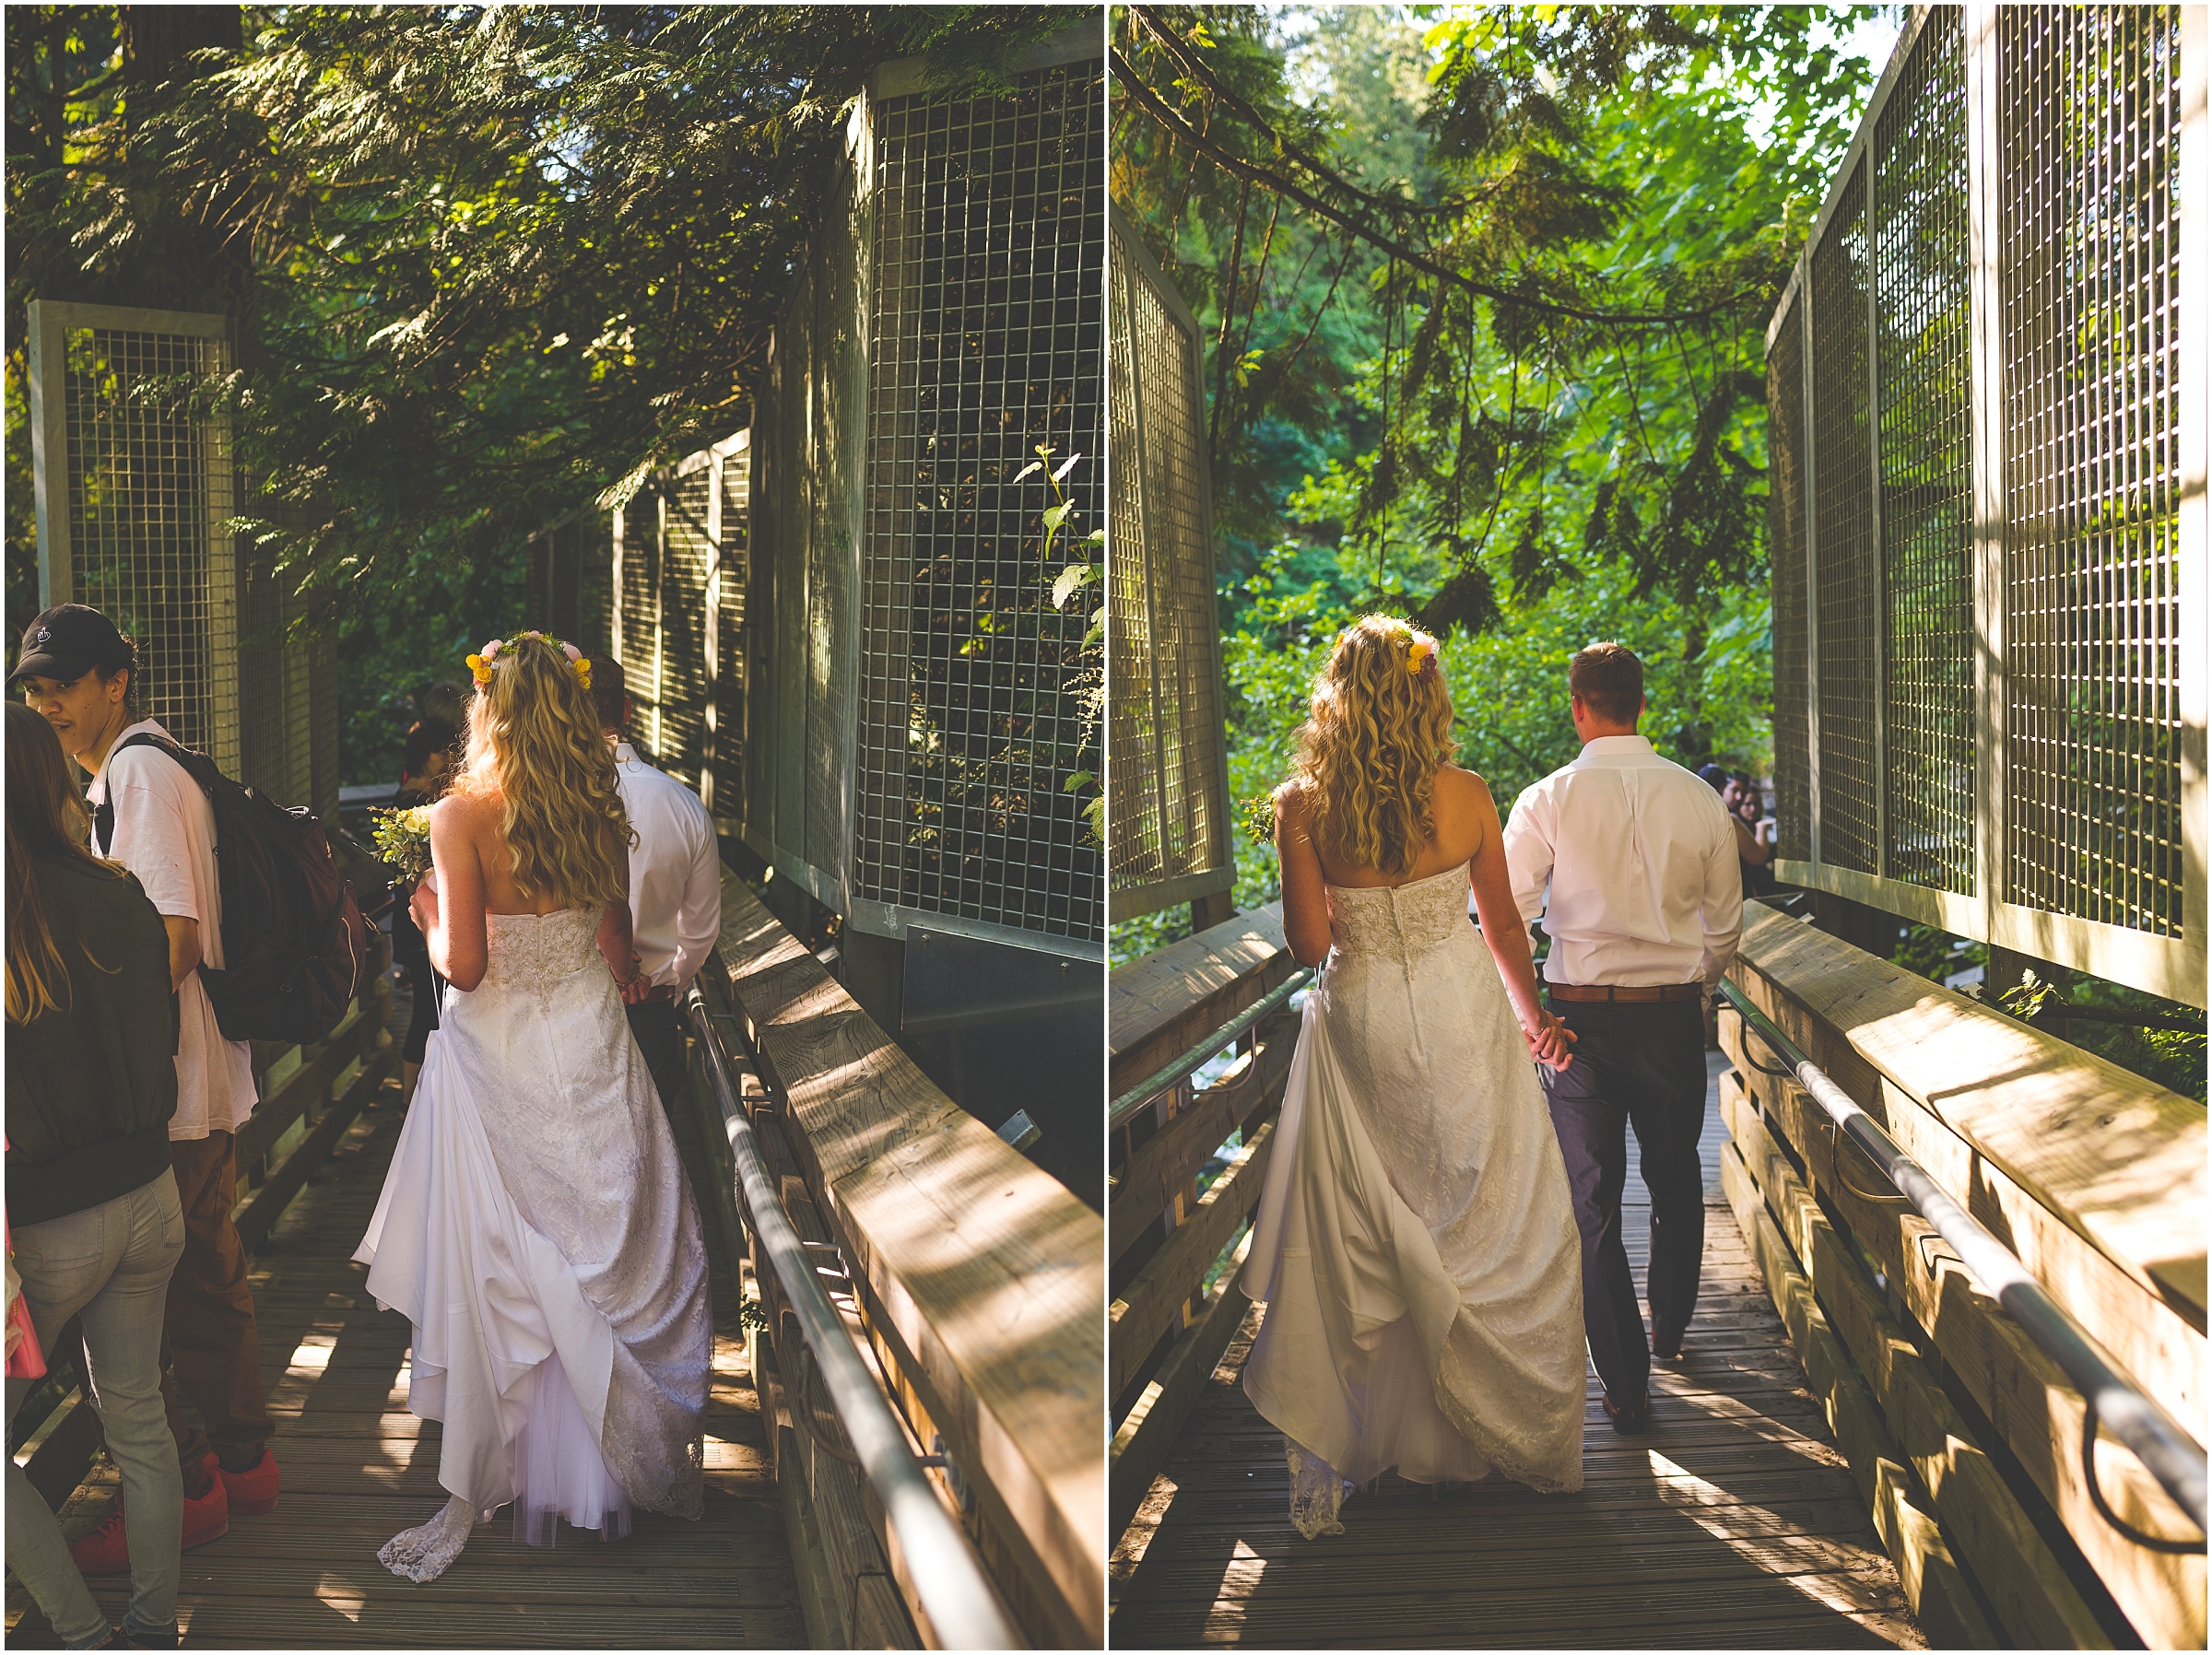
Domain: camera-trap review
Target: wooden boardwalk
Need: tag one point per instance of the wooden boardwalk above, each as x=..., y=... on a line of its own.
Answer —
x=357, y=1467
x=1732, y=1521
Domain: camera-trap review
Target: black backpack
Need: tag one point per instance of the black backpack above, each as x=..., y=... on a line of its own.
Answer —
x=295, y=944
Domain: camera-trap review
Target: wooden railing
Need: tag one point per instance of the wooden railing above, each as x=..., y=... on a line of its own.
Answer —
x=1167, y=1330
x=970, y=1278
x=1966, y=1438
x=308, y=1095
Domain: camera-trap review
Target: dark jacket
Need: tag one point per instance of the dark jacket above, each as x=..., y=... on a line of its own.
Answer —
x=92, y=1086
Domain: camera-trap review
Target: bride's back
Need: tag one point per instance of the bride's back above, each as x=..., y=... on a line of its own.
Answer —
x=1457, y=807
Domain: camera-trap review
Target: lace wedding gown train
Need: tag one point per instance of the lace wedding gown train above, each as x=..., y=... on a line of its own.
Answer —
x=1415, y=1243
x=538, y=1230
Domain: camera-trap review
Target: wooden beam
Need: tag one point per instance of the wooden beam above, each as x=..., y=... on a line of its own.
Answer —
x=1930, y=1575
x=1146, y=1438
x=2037, y=1604
x=2118, y=1159
x=2025, y=1395
x=1153, y=1302
x=1164, y=1165
x=985, y=1277
x=1158, y=1007
x=270, y=1201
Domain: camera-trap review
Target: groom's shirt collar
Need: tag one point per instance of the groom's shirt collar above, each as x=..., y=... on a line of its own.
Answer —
x=1616, y=746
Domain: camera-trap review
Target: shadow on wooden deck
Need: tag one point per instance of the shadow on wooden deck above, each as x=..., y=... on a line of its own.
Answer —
x=1733, y=1522
x=357, y=1467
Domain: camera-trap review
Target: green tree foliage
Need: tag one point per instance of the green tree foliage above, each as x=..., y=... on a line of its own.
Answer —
x=1488, y=346
x=486, y=263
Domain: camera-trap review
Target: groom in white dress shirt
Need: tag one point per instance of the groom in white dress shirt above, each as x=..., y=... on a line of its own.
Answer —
x=675, y=887
x=1632, y=862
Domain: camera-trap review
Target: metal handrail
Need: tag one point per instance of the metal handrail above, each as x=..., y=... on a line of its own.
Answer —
x=1197, y=1057
x=2134, y=1418
x=964, y=1608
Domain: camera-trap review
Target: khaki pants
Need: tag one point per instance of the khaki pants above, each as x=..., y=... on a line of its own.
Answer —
x=211, y=1351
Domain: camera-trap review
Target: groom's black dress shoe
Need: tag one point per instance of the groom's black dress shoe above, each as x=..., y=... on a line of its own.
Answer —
x=1667, y=1347
x=1629, y=1419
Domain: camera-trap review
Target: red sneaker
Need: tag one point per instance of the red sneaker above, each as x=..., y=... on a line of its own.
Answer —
x=106, y=1550
x=252, y=1492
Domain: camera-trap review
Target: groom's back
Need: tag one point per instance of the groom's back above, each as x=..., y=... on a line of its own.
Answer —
x=1632, y=860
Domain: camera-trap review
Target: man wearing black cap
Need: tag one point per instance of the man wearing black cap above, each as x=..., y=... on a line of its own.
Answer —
x=81, y=676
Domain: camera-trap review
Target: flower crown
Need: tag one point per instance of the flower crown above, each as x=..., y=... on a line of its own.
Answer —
x=1421, y=656
x=479, y=665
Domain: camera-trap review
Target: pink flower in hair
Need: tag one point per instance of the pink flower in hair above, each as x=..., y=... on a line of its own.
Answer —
x=572, y=651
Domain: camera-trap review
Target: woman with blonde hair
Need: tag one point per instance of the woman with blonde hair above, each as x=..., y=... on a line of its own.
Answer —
x=1415, y=1244
x=536, y=1225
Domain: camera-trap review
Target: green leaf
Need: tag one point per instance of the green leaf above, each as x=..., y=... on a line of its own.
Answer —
x=1072, y=580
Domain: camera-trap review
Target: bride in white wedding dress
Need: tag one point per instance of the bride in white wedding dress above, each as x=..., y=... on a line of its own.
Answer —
x=536, y=1227
x=1414, y=1244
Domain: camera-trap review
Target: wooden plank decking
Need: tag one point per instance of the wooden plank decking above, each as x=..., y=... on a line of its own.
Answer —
x=357, y=1467
x=1732, y=1521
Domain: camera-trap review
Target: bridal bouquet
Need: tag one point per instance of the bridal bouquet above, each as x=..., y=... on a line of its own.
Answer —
x=403, y=841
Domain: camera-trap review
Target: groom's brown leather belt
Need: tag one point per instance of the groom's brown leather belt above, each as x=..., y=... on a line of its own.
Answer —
x=1615, y=993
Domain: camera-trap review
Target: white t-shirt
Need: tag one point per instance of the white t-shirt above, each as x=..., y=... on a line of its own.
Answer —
x=1639, y=857
x=165, y=833
x=675, y=871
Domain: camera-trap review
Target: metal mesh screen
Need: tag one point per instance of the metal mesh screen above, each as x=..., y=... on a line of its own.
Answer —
x=1786, y=550
x=728, y=736
x=277, y=700
x=2088, y=109
x=1924, y=379
x=148, y=478
x=988, y=266
x=568, y=576
x=1847, y=597
x=637, y=641
x=1168, y=811
x=687, y=555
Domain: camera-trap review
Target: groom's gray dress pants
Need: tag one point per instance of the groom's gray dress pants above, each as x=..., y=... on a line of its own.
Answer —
x=1642, y=1066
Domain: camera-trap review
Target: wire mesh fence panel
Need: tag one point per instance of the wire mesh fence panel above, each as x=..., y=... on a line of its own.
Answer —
x=727, y=747
x=1785, y=543
x=1924, y=379
x=1169, y=812
x=2089, y=107
x=637, y=639
x=1847, y=595
x=145, y=482
x=987, y=265
x=2004, y=648
x=685, y=687
x=570, y=573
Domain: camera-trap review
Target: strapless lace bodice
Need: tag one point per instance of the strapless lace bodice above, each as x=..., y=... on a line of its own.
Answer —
x=535, y=951
x=1402, y=922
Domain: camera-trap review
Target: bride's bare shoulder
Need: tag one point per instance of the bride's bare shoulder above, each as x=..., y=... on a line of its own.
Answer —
x=1460, y=785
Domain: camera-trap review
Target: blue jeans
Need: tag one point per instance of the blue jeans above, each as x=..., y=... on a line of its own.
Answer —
x=112, y=1264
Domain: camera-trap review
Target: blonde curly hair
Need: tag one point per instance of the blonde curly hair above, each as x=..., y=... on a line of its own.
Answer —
x=1379, y=731
x=534, y=745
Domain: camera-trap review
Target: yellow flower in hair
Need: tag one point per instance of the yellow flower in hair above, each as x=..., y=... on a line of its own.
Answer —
x=583, y=673
x=1419, y=654
x=480, y=670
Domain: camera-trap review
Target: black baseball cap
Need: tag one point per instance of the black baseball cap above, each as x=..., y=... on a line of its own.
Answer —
x=67, y=641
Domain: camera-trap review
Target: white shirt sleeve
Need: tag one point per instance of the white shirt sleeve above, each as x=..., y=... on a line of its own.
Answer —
x=1528, y=853
x=698, y=917
x=152, y=840
x=1721, y=911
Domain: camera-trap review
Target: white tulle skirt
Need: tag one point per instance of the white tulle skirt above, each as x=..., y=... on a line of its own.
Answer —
x=496, y=1310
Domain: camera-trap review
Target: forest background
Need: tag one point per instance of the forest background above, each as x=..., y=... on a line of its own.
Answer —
x=485, y=264
x=1529, y=479
x=1484, y=295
